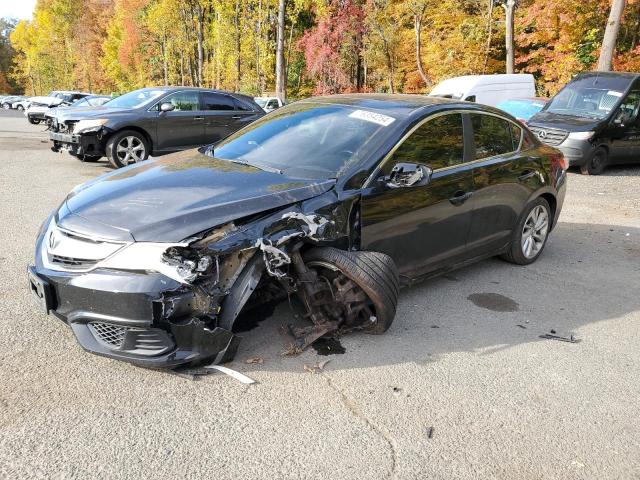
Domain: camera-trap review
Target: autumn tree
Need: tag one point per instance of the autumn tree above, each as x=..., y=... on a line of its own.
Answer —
x=611, y=35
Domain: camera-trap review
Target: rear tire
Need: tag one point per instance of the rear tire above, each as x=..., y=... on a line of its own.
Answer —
x=33, y=121
x=126, y=147
x=534, y=224
x=6, y=106
x=597, y=163
x=20, y=108
x=374, y=273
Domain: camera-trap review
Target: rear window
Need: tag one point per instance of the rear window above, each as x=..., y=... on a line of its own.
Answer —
x=215, y=101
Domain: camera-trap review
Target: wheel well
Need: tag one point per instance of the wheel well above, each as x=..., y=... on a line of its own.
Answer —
x=553, y=203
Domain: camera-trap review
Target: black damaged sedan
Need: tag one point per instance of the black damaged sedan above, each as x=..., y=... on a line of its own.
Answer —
x=332, y=202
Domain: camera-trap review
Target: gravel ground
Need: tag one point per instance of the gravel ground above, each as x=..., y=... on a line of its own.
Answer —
x=466, y=366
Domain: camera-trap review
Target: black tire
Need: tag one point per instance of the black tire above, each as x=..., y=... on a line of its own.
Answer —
x=6, y=106
x=33, y=121
x=597, y=163
x=515, y=253
x=373, y=272
x=20, y=107
x=115, y=159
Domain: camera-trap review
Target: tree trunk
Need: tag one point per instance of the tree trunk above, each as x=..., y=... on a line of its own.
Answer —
x=610, y=36
x=236, y=22
x=417, y=23
x=165, y=65
x=200, y=39
x=280, y=67
x=489, y=36
x=509, y=8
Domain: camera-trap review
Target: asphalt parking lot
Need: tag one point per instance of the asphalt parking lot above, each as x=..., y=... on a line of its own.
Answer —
x=460, y=387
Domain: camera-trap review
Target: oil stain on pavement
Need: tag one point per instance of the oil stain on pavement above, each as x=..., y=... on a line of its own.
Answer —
x=494, y=302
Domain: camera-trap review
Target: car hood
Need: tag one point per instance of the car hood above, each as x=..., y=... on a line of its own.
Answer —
x=46, y=100
x=563, y=122
x=178, y=196
x=82, y=113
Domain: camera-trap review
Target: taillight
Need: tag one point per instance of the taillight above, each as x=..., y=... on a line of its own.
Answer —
x=558, y=160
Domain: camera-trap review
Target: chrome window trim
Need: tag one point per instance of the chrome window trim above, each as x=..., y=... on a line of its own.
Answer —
x=390, y=153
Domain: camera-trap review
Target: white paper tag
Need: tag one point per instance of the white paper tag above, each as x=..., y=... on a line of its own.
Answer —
x=378, y=118
x=613, y=93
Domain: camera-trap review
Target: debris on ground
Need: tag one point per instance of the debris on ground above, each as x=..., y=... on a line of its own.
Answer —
x=430, y=432
x=291, y=350
x=553, y=336
x=318, y=367
x=254, y=361
x=397, y=391
x=232, y=373
x=521, y=326
x=328, y=346
x=189, y=373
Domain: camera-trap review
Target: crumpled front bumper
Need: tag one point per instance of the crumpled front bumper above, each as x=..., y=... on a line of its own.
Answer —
x=143, y=318
x=78, y=144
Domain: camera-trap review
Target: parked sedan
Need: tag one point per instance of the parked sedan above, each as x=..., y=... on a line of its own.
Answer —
x=88, y=101
x=151, y=121
x=7, y=102
x=331, y=200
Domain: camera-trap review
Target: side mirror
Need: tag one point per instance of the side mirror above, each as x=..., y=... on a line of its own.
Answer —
x=408, y=175
x=167, y=107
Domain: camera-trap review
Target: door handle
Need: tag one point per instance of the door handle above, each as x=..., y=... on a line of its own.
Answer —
x=460, y=197
x=236, y=117
x=198, y=118
x=526, y=175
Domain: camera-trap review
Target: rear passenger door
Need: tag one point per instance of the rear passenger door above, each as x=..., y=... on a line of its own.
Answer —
x=223, y=115
x=182, y=127
x=504, y=177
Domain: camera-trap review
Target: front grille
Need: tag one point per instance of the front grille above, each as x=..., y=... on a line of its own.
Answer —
x=112, y=335
x=63, y=250
x=73, y=263
x=550, y=136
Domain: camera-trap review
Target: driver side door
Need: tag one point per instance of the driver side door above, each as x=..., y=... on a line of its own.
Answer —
x=183, y=126
x=422, y=226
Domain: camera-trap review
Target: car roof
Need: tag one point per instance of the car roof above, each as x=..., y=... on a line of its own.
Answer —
x=629, y=75
x=399, y=104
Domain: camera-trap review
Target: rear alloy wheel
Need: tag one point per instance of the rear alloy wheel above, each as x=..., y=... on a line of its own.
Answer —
x=361, y=287
x=596, y=164
x=127, y=147
x=531, y=233
x=20, y=108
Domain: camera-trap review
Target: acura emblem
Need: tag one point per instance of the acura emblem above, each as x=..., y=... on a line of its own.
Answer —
x=53, y=240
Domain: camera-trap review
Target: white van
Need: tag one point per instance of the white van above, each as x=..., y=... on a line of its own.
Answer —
x=487, y=89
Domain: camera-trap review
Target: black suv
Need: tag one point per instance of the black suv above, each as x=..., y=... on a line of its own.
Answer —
x=151, y=121
x=594, y=120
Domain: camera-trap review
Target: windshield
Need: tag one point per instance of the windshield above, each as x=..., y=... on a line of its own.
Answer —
x=261, y=101
x=135, y=99
x=590, y=97
x=309, y=139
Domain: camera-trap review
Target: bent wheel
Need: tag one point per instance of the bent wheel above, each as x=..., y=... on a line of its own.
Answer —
x=357, y=289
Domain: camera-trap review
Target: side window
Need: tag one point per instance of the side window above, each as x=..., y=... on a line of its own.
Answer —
x=630, y=107
x=439, y=143
x=516, y=135
x=182, y=101
x=240, y=105
x=470, y=98
x=492, y=136
x=215, y=101
x=272, y=104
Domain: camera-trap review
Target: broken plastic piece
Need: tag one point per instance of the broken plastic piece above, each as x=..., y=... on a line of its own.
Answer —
x=569, y=339
x=232, y=373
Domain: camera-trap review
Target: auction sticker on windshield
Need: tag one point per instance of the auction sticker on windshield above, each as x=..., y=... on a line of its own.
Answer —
x=378, y=118
x=613, y=93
